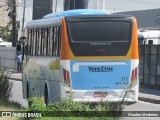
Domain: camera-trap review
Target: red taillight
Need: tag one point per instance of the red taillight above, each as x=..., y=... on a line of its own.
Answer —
x=66, y=77
x=101, y=50
x=134, y=74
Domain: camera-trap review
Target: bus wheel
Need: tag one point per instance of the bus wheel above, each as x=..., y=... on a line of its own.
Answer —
x=28, y=94
x=46, y=96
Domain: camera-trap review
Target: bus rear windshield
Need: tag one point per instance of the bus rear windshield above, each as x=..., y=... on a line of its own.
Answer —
x=99, y=36
x=100, y=31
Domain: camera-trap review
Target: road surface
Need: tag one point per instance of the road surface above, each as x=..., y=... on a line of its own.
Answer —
x=144, y=107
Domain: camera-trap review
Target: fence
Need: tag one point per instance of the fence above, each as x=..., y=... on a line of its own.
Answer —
x=7, y=58
x=149, y=68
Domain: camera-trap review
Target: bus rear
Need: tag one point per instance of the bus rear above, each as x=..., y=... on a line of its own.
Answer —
x=99, y=58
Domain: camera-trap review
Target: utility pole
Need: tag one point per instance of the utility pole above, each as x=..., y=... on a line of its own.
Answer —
x=55, y=7
x=13, y=13
x=24, y=8
x=22, y=35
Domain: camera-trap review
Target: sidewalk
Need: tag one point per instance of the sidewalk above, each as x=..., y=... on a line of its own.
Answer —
x=149, y=95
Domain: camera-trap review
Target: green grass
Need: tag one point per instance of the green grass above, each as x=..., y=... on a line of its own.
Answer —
x=76, y=118
x=67, y=109
x=5, y=94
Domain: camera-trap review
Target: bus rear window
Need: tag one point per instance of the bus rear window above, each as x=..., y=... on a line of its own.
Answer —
x=100, y=31
x=99, y=35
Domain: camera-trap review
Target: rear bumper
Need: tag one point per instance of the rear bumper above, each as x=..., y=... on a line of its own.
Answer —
x=104, y=100
x=112, y=96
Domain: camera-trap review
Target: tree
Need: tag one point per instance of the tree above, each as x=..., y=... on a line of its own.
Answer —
x=6, y=32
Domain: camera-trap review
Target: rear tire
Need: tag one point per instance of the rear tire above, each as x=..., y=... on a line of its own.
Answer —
x=46, y=96
x=28, y=94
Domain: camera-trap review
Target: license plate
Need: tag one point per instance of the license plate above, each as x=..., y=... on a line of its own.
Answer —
x=100, y=94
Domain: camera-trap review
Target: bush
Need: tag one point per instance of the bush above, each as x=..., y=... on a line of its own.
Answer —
x=5, y=87
x=70, y=108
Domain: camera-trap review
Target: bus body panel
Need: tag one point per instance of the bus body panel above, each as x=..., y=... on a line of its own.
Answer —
x=100, y=75
x=117, y=92
x=40, y=71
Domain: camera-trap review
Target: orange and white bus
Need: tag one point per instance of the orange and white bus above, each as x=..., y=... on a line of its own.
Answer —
x=87, y=53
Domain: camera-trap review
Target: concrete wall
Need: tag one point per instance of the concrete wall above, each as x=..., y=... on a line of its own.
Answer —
x=7, y=58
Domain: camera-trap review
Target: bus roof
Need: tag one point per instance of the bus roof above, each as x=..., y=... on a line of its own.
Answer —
x=75, y=12
x=149, y=33
x=43, y=22
x=55, y=18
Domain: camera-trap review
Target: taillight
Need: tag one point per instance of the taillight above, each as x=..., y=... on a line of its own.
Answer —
x=66, y=77
x=134, y=74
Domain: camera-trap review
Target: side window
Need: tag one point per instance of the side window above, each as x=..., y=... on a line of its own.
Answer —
x=31, y=41
x=150, y=42
x=39, y=41
x=27, y=47
x=44, y=41
x=57, y=41
x=49, y=41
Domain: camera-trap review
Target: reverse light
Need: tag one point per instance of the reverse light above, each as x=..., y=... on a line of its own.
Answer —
x=66, y=77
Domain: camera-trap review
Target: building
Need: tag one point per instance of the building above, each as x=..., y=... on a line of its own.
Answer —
x=146, y=19
x=36, y=9
x=4, y=19
x=147, y=12
x=112, y=6
x=6, y=13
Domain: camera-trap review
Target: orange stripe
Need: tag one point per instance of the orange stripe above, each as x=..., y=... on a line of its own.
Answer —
x=64, y=42
x=134, y=45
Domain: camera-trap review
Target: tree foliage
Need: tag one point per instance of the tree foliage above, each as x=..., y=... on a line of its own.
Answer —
x=5, y=87
x=5, y=32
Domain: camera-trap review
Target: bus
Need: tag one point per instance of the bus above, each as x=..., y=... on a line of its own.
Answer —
x=88, y=55
x=149, y=37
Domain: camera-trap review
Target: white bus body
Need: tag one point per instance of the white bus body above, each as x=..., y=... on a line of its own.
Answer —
x=149, y=37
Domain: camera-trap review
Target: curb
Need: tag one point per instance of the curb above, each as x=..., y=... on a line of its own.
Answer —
x=149, y=95
x=149, y=100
